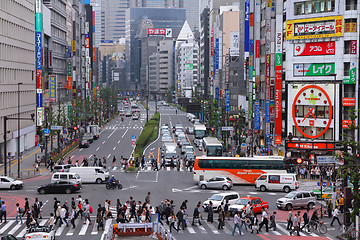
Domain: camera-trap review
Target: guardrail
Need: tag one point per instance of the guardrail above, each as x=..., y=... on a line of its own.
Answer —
x=163, y=234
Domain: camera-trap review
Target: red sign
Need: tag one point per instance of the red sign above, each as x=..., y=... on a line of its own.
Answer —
x=315, y=48
x=257, y=49
x=310, y=145
x=353, y=46
x=346, y=123
x=278, y=140
x=212, y=42
x=36, y=140
x=39, y=79
x=69, y=78
x=156, y=31
x=278, y=102
x=133, y=142
x=349, y=102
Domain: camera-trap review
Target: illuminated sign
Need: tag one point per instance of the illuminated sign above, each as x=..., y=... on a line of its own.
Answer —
x=159, y=31
x=313, y=69
x=349, y=102
x=315, y=48
x=52, y=84
x=314, y=28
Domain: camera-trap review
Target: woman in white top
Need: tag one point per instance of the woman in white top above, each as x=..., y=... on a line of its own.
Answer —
x=18, y=213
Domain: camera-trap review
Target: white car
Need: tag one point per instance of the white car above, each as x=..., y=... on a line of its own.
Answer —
x=40, y=232
x=218, y=198
x=10, y=183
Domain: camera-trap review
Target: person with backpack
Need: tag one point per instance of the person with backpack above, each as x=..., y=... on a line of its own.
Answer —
x=221, y=219
x=306, y=218
x=19, y=212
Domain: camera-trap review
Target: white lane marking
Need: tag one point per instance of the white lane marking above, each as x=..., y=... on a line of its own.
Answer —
x=17, y=226
x=71, y=230
x=186, y=189
x=22, y=233
x=190, y=229
x=60, y=230
x=271, y=193
x=103, y=142
x=80, y=149
x=114, y=148
x=119, y=141
x=202, y=229
x=276, y=233
x=94, y=230
x=157, y=176
x=97, y=148
x=6, y=226
x=226, y=230
x=253, y=193
x=112, y=132
x=84, y=228
x=108, y=155
x=71, y=156
x=125, y=133
x=129, y=188
x=212, y=228
x=90, y=156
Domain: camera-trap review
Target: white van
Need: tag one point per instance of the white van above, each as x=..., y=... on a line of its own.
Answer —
x=285, y=182
x=91, y=174
x=70, y=176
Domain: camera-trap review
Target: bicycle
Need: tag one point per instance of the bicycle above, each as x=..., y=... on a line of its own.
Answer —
x=343, y=229
x=316, y=226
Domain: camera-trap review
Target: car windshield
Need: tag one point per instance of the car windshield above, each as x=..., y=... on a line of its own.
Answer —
x=10, y=179
x=216, y=197
x=290, y=195
x=83, y=141
x=242, y=201
x=39, y=229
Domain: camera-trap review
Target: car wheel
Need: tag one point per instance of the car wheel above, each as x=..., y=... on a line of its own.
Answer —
x=13, y=187
x=225, y=187
x=98, y=181
x=42, y=191
x=262, y=188
x=288, y=207
x=310, y=205
x=286, y=189
x=203, y=186
x=68, y=191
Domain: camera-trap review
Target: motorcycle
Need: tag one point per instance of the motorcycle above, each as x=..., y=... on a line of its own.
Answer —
x=122, y=119
x=114, y=185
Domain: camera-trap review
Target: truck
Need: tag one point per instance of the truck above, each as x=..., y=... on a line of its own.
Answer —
x=94, y=130
x=169, y=151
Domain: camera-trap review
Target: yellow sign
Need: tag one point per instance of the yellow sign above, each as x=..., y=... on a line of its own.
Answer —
x=73, y=47
x=268, y=3
x=314, y=28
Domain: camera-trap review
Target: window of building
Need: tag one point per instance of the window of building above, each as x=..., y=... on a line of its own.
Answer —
x=349, y=90
x=350, y=25
x=317, y=6
x=346, y=69
x=347, y=47
x=351, y=5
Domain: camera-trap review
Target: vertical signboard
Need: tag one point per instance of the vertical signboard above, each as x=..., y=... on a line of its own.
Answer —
x=52, y=87
x=247, y=25
x=278, y=89
x=217, y=54
x=38, y=52
x=257, y=115
x=267, y=111
x=353, y=46
x=227, y=100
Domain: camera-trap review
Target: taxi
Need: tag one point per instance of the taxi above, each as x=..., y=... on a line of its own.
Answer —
x=257, y=204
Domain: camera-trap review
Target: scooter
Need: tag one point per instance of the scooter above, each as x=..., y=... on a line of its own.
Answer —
x=114, y=185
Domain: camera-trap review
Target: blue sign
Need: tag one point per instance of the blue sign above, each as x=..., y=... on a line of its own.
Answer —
x=217, y=94
x=46, y=131
x=106, y=41
x=217, y=54
x=39, y=99
x=131, y=93
x=267, y=111
x=38, y=51
x=227, y=94
x=247, y=25
x=133, y=136
x=272, y=106
x=257, y=115
x=69, y=51
x=8, y=157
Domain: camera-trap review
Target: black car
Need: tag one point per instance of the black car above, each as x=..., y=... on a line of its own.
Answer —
x=8, y=237
x=84, y=143
x=60, y=187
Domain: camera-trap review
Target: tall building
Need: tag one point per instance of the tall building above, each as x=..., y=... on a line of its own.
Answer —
x=192, y=13
x=165, y=21
x=17, y=65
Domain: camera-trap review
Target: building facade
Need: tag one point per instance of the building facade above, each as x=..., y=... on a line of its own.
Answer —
x=17, y=60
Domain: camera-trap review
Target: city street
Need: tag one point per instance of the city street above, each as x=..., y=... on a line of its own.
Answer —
x=115, y=139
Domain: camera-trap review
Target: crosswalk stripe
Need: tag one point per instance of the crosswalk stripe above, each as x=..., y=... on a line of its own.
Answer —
x=212, y=227
x=60, y=230
x=282, y=229
x=84, y=228
x=276, y=233
x=190, y=229
x=22, y=233
x=71, y=231
x=226, y=230
x=202, y=229
x=17, y=226
x=7, y=225
x=94, y=230
x=42, y=223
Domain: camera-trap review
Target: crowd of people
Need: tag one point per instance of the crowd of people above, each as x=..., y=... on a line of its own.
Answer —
x=328, y=173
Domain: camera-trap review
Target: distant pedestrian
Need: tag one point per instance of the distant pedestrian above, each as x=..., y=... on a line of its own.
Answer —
x=63, y=217
x=73, y=216
x=69, y=161
x=221, y=219
x=336, y=214
x=172, y=221
x=289, y=220
x=114, y=161
x=196, y=215
x=330, y=208
x=51, y=221
x=296, y=224
x=306, y=218
x=273, y=221
x=243, y=220
x=236, y=224
x=265, y=220
x=254, y=224
x=19, y=212
x=181, y=220
x=100, y=221
x=210, y=217
x=95, y=161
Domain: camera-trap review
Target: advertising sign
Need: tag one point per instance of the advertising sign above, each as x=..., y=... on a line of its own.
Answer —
x=212, y=42
x=272, y=110
x=52, y=87
x=188, y=66
x=313, y=69
x=353, y=75
x=346, y=123
x=39, y=116
x=217, y=54
x=247, y=25
x=217, y=94
x=38, y=51
x=38, y=22
x=39, y=98
x=234, y=43
x=69, y=79
x=159, y=31
x=325, y=159
x=39, y=79
x=257, y=115
x=353, y=46
x=108, y=41
x=315, y=48
x=310, y=145
x=227, y=100
x=314, y=28
x=349, y=102
x=268, y=56
x=257, y=48
x=267, y=111
x=73, y=45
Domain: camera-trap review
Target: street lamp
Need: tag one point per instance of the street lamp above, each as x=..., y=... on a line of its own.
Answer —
x=18, y=148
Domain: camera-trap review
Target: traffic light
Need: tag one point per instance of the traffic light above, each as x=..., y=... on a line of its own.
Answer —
x=212, y=129
x=299, y=161
x=75, y=128
x=358, y=157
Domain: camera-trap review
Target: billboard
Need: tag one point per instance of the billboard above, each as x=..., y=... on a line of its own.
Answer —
x=247, y=25
x=314, y=28
x=52, y=86
x=234, y=43
x=313, y=69
x=314, y=48
x=159, y=31
x=257, y=115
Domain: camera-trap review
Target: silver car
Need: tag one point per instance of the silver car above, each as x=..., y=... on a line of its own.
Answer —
x=220, y=182
x=298, y=199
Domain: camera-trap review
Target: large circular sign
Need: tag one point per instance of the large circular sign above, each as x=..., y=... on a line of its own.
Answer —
x=312, y=93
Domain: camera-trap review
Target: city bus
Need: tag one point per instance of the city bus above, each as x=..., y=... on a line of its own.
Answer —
x=212, y=147
x=199, y=131
x=241, y=170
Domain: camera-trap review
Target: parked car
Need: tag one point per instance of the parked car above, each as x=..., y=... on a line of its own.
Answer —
x=298, y=199
x=84, y=143
x=40, y=232
x=258, y=205
x=10, y=183
x=218, y=198
x=220, y=182
x=60, y=186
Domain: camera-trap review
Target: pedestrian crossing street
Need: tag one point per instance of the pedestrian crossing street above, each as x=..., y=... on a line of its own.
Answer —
x=123, y=127
x=19, y=230
x=149, y=169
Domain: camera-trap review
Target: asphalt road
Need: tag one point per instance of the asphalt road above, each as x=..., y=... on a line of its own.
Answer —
x=115, y=139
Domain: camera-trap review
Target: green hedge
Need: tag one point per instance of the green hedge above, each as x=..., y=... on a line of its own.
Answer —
x=148, y=135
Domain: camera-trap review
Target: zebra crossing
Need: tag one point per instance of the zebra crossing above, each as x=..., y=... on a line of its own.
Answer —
x=123, y=127
x=19, y=230
x=148, y=169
